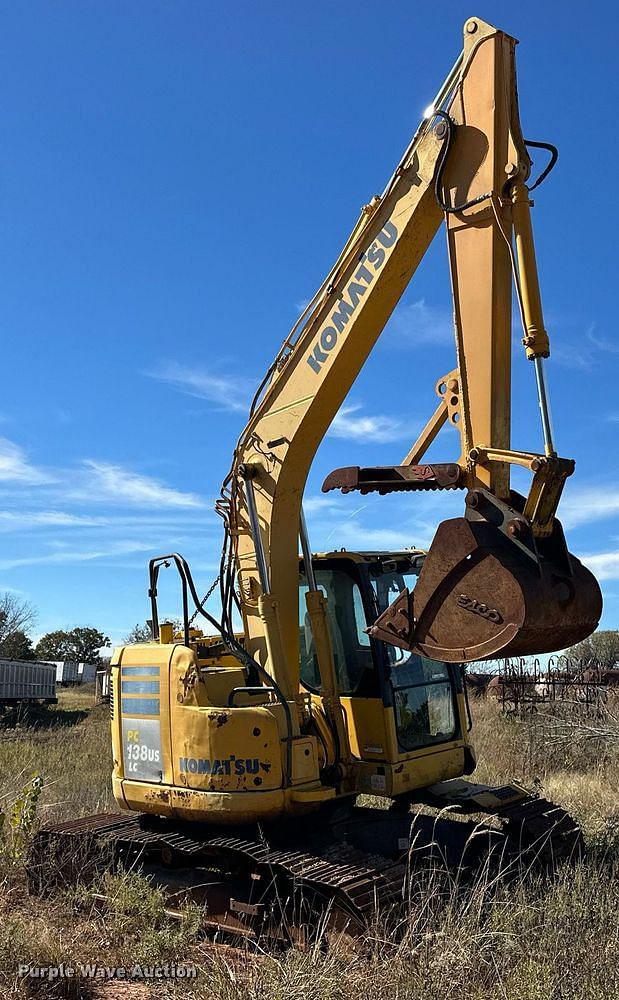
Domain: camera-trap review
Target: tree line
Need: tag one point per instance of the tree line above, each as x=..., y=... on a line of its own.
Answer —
x=17, y=619
x=84, y=643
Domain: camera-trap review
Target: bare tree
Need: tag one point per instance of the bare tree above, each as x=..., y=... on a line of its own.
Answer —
x=139, y=633
x=15, y=615
x=602, y=647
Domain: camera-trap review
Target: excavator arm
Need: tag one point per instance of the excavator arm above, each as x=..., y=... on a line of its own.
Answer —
x=468, y=165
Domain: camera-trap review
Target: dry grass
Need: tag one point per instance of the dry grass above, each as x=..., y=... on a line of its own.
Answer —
x=529, y=939
x=68, y=745
x=560, y=754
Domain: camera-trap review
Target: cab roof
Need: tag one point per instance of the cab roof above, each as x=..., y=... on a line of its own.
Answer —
x=370, y=555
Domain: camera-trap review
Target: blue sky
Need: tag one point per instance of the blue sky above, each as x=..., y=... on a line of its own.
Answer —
x=176, y=180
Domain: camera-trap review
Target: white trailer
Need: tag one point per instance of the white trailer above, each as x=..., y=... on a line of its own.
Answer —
x=102, y=686
x=86, y=673
x=27, y=681
x=66, y=672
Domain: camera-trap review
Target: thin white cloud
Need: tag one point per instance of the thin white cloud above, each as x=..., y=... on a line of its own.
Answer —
x=319, y=504
x=11, y=520
x=227, y=392
x=602, y=343
x=354, y=535
x=352, y=425
x=397, y=522
x=186, y=518
x=104, y=482
x=97, y=481
x=15, y=467
x=582, y=353
x=76, y=555
x=420, y=323
x=569, y=356
x=583, y=506
x=603, y=565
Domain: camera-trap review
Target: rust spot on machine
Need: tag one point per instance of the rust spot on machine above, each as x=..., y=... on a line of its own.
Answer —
x=488, y=587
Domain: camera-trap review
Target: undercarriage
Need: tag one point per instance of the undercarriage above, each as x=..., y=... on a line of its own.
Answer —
x=347, y=866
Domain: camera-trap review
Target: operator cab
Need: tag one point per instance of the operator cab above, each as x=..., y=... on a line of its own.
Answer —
x=358, y=587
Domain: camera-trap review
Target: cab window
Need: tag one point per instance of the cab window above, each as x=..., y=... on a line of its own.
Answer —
x=423, y=702
x=354, y=663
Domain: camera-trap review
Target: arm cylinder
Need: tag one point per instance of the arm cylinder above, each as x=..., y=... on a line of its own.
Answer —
x=535, y=339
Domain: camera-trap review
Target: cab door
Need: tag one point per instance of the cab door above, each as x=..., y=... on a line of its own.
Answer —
x=357, y=671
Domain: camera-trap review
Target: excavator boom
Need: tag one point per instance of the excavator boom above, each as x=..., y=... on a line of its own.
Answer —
x=500, y=579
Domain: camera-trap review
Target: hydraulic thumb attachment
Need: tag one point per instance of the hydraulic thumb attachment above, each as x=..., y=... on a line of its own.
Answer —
x=499, y=580
x=489, y=586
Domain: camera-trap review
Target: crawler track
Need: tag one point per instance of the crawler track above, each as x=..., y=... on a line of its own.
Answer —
x=241, y=878
x=253, y=888
x=542, y=830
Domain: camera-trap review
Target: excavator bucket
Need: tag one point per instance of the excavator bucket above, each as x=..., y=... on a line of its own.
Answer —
x=491, y=588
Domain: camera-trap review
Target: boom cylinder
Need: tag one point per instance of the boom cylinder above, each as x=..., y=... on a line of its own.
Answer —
x=261, y=562
x=316, y=604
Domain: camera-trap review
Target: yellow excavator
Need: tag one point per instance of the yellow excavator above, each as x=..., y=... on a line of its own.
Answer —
x=240, y=754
